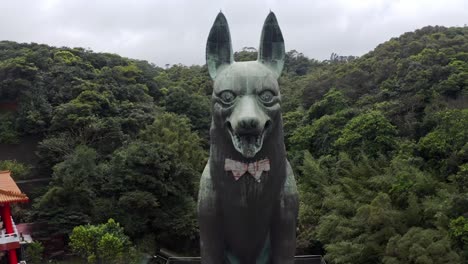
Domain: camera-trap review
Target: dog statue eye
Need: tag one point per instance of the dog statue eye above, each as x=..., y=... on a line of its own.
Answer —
x=266, y=96
x=227, y=96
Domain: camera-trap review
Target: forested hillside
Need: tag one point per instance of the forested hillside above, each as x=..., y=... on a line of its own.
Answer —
x=379, y=145
x=384, y=175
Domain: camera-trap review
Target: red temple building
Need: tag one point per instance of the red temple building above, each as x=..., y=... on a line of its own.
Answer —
x=9, y=236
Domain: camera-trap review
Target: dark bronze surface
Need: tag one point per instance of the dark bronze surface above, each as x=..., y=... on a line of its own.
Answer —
x=247, y=220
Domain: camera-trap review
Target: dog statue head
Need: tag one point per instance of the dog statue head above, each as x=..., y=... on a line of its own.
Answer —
x=246, y=96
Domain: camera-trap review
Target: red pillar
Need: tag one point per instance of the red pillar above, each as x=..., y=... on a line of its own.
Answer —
x=7, y=219
x=6, y=216
x=3, y=213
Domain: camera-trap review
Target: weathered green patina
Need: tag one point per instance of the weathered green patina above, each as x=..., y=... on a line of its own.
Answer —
x=248, y=201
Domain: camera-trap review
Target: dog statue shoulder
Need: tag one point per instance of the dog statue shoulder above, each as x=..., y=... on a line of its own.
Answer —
x=248, y=202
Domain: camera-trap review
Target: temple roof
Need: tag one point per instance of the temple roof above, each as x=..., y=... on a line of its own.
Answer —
x=9, y=191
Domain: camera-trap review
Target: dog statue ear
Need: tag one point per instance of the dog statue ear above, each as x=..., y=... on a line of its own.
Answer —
x=218, y=46
x=271, y=51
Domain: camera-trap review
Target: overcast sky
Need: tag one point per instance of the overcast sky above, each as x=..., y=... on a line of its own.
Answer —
x=173, y=31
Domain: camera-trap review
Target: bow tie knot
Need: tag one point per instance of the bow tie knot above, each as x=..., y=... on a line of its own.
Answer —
x=239, y=168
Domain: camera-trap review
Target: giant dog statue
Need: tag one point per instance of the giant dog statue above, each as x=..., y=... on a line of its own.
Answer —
x=248, y=203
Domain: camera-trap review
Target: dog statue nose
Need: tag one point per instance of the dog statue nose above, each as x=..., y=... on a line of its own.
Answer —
x=249, y=123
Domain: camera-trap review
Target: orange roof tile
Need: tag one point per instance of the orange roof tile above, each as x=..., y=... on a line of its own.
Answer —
x=9, y=191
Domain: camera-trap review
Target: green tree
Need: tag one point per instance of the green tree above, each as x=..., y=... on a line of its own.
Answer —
x=320, y=136
x=34, y=252
x=246, y=54
x=153, y=179
x=298, y=64
x=446, y=146
x=69, y=200
x=195, y=107
x=35, y=111
x=420, y=245
x=16, y=76
x=18, y=170
x=332, y=102
x=370, y=132
x=8, y=133
x=175, y=132
x=103, y=243
x=459, y=232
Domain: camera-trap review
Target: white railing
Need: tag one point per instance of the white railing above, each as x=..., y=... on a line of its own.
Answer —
x=10, y=237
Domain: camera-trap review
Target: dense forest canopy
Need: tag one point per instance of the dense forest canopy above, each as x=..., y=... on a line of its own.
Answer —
x=379, y=145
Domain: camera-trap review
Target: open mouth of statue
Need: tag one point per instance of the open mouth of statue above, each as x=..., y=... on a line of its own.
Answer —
x=248, y=144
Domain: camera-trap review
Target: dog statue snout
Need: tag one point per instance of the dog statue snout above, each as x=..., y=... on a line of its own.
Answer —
x=248, y=118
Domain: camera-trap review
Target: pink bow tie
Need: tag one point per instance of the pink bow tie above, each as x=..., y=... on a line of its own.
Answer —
x=239, y=168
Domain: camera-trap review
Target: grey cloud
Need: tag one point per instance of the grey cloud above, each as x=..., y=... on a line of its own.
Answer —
x=175, y=31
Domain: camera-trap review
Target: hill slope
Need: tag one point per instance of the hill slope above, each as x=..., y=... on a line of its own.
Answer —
x=383, y=178
x=378, y=144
